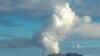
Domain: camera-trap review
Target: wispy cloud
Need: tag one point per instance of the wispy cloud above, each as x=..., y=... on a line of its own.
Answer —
x=7, y=22
x=17, y=43
x=83, y=7
x=26, y=4
x=86, y=7
x=88, y=31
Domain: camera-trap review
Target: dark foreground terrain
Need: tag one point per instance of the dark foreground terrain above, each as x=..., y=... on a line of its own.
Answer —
x=68, y=54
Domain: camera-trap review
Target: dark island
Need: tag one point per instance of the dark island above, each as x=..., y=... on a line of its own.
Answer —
x=68, y=54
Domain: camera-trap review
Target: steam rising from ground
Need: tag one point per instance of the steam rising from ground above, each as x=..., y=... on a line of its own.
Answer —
x=56, y=28
x=62, y=22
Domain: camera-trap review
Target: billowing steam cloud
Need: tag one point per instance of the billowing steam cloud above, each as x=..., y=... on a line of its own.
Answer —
x=56, y=28
x=60, y=25
x=62, y=22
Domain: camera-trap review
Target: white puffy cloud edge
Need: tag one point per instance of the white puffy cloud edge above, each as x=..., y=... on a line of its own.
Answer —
x=86, y=28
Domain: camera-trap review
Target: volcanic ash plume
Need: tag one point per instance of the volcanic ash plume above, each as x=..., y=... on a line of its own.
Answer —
x=55, y=28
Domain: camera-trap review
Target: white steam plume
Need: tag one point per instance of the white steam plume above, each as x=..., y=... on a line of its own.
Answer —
x=55, y=28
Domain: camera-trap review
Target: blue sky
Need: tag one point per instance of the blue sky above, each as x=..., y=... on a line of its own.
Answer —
x=22, y=18
x=16, y=25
